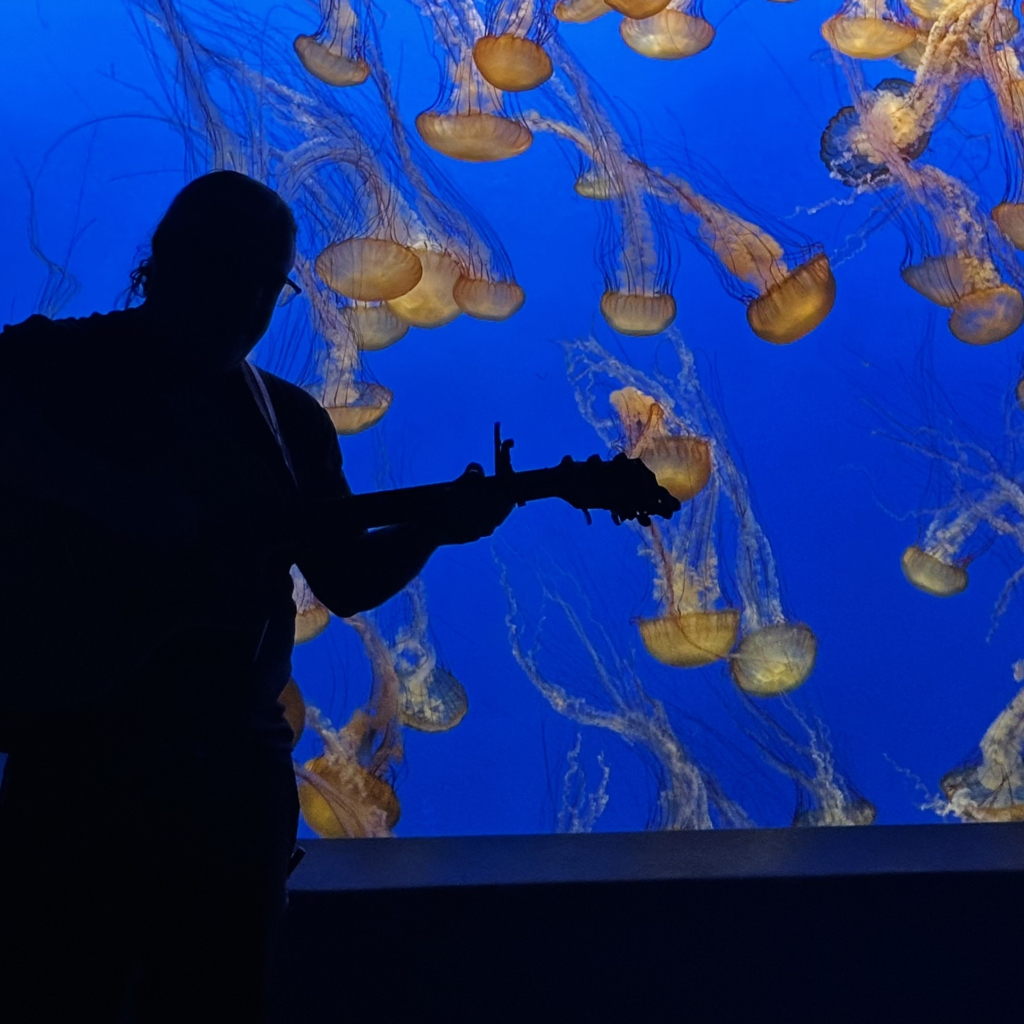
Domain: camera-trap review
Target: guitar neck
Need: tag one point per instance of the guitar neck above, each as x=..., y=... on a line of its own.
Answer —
x=408, y=504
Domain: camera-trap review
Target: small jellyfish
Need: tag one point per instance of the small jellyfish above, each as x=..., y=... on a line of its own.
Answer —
x=346, y=791
x=369, y=269
x=580, y=12
x=678, y=31
x=511, y=56
x=311, y=617
x=333, y=54
x=294, y=707
x=774, y=659
x=467, y=123
x=991, y=786
x=431, y=302
x=638, y=313
x=867, y=30
x=931, y=573
x=430, y=698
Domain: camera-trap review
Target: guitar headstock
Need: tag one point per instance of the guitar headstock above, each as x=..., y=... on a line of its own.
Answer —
x=621, y=485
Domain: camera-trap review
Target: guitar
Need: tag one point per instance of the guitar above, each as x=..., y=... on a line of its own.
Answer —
x=620, y=485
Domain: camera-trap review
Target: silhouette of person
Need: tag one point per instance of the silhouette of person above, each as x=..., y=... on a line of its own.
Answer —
x=156, y=491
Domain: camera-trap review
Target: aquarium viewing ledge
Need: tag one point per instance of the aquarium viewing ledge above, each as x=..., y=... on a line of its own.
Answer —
x=880, y=920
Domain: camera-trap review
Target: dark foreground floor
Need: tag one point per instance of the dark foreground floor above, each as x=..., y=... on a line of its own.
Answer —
x=876, y=924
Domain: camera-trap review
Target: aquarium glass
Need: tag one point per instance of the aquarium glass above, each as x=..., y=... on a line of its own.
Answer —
x=770, y=249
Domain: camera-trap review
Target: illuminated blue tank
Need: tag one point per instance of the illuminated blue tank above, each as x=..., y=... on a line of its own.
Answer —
x=774, y=260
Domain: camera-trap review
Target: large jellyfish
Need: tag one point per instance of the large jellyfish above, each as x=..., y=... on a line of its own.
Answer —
x=334, y=53
x=346, y=792
x=867, y=29
x=511, y=56
x=990, y=787
x=679, y=30
x=467, y=122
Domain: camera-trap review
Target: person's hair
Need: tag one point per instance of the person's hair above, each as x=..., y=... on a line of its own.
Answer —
x=224, y=226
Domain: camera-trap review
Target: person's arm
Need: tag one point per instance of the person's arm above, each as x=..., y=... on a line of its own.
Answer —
x=352, y=571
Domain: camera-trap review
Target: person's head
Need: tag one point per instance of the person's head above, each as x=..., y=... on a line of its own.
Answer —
x=220, y=258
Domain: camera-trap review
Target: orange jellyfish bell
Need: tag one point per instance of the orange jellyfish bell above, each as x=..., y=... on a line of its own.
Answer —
x=580, y=12
x=638, y=314
x=512, y=63
x=774, y=659
x=344, y=797
x=638, y=8
x=373, y=327
x=1009, y=218
x=668, y=35
x=484, y=299
x=931, y=574
x=328, y=64
x=369, y=269
x=356, y=406
x=681, y=463
x=794, y=306
x=294, y=706
x=475, y=137
x=690, y=639
x=432, y=302
x=867, y=38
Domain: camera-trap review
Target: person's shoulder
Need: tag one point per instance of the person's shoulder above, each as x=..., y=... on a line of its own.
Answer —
x=42, y=330
x=293, y=404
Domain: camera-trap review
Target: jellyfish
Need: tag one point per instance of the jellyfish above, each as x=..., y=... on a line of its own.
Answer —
x=637, y=300
x=793, y=287
x=347, y=791
x=990, y=787
x=431, y=302
x=430, y=698
x=333, y=53
x=960, y=264
x=867, y=30
x=638, y=8
x=692, y=628
x=353, y=404
x=294, y=706
x=802, y=752
x=467, y=122
x=689, y=796
x=790, y=301
x=1004, y=76
x=311, y=617
x=580, y=12
x=511, y=55
x=678, y=31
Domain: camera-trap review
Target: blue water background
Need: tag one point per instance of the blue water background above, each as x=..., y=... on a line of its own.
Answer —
x=906, y=683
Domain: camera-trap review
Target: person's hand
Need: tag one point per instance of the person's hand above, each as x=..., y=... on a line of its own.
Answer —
x=472, y=509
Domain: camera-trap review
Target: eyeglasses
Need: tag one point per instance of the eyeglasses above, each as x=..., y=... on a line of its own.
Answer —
x=288, y=292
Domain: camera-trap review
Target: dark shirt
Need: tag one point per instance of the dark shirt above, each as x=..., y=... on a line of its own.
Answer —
x=148, y=522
